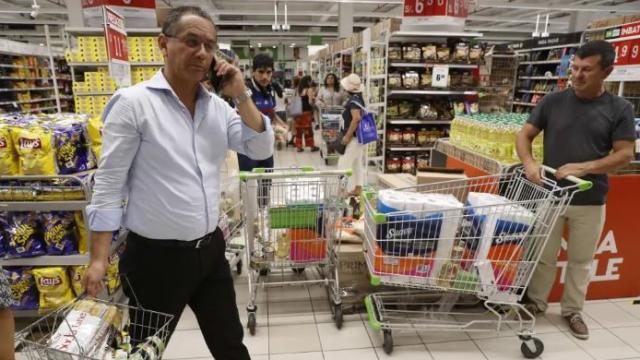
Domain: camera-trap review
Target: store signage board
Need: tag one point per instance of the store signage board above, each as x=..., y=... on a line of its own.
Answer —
x=440, y=76
x=142, y=13
x=426, y=11
x=117, y=49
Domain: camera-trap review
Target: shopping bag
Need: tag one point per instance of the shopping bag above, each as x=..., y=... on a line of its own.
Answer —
x=295, y=107
x=367, y=130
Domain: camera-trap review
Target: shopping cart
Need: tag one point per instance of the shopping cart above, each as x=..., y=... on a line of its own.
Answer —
x=230, y=222
x=486, y=250
x=330, y=117
x=57, y=335
x=292, y=218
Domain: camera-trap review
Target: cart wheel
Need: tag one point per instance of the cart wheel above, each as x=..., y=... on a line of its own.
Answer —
x=387, y=345
x=298, y=270
x=239, y=267
x=528, y=353
x=338, y=316
x=251, y=323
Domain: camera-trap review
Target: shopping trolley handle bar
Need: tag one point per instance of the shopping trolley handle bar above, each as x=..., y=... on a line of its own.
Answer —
x=261, y=170
x=583, y=185
x=244, y=176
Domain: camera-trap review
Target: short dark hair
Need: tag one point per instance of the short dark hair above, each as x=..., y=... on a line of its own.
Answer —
x=598, y=47
x=174, y=16
x=262, y=61
x=336, y=83
x=305, y=83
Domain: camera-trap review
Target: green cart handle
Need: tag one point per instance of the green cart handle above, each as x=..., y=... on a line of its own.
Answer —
x=583, y=185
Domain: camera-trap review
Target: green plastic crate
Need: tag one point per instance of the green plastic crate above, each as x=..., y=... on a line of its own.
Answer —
x=291, y=217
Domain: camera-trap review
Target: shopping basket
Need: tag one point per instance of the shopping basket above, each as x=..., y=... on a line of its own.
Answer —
x=484, y=238
x=58, y=335
x=292, y=218
x=330, y=117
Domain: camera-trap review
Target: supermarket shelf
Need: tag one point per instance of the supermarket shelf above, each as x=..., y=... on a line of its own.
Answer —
x=432, y=92
x=12, y=66
x=410, y=148
x=375, y=158
x=100, y=31
x=43, y=205
x=543, y=77
x=47, y=260
x=431, y=34
x=520, y=51
x=482, y=162
x=104, y=63
x=40, y=109
x=95, y=93
x=533, y=91
x=379, y=77
x=380, y=104
x=27, y=89
x=417, y=122
x=635, y=37
x=423, y=65
x=378, y=43
x=26, y=101
x=523, y=103
x=17, y=78
x=541, y=62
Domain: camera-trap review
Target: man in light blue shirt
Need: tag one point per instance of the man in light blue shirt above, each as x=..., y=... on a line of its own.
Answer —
x=164, y=141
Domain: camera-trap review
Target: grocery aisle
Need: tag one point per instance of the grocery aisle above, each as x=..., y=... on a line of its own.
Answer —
x=295, y=323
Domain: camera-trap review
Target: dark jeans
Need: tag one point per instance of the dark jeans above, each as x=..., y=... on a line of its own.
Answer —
x=168, y=278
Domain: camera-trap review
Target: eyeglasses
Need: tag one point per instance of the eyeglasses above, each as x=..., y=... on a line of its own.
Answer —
x=196, y=43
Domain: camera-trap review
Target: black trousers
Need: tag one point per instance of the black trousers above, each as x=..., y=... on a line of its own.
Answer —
x=168, y=278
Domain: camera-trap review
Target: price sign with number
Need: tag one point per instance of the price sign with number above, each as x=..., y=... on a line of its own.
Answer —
x=440, y=76
x=634, y=52
x=117, y=49
x=623, y=50
x=423, y=8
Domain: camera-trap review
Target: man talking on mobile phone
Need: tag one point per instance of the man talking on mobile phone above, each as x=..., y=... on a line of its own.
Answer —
x=164, y=141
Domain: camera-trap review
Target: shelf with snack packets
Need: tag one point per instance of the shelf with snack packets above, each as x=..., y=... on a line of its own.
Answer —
x=532, y=91
x=104, y=63
x=46, y=88
x=523, y=103
x=427, y=65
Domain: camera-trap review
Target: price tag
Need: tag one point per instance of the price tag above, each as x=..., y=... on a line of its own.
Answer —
x=440, y=76
x=634, y=52
x=117, y=50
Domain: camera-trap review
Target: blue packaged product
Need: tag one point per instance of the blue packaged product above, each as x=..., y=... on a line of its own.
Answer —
x=59, y=233
x=25, y=239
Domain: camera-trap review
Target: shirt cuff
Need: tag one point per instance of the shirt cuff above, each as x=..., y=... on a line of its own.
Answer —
x=101, y=219
x=248, y=133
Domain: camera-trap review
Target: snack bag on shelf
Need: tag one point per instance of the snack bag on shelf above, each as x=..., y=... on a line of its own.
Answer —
x=8, y=156
x=24, y=237
x=73, y=154
x=35, y=151
x=76, y=273
x=81, y=232
x=23, y=287
x=59, y=233
x=54, y=286
x=94, y=132
x=113, y=274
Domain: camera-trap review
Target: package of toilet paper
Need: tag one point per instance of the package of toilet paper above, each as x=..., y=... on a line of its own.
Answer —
x=495, y=230
x=418, y=224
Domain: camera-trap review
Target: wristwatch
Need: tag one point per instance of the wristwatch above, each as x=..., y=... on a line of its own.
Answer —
x=242, y=97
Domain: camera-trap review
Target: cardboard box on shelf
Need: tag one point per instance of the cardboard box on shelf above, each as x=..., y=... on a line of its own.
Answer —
x=396, y=180
x=439, y=175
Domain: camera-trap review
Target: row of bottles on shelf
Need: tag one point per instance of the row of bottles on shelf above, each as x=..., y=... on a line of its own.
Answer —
x=407, y=162
x=493, y=135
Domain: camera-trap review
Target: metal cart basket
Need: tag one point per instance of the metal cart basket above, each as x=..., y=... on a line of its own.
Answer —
x=292, y=217
x=484, y=241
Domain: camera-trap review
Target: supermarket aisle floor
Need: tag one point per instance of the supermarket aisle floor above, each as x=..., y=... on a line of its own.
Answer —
x=295, y=323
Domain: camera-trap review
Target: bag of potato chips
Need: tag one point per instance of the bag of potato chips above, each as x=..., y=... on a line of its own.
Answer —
x=35, y=152
x=81, y=232
x=94, y=131
x=54, y=287
x=59, y=232
x=24, y=237
x=23, y=288
x=8, y=156
x=76, y=273
x=73, y=154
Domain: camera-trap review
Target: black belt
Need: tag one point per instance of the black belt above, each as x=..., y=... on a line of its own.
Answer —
x=189, y=244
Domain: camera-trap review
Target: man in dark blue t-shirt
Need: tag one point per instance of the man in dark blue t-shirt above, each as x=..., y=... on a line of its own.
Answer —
x=588, y=132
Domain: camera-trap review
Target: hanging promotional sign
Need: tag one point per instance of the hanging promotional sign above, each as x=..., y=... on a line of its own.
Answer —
x=117, y=49
x=433, y=11
x=142, y=13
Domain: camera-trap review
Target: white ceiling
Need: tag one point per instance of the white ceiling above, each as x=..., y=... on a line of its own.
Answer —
x=500, y=20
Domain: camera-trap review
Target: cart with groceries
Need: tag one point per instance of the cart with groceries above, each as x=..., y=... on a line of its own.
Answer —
x=330, y=119
x=230, y=222
x=479, y=237
x=292, y=218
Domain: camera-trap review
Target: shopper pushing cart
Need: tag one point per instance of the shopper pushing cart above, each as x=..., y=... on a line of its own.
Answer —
x=292, y=227
x=480, y=236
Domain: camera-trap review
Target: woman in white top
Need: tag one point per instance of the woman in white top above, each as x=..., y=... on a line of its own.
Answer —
x=330, y=95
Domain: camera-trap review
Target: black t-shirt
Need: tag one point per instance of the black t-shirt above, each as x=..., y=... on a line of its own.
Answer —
x=578, y=130
x=350, y=104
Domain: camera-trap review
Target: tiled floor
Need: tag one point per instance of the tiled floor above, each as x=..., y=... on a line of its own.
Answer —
x=296, y=324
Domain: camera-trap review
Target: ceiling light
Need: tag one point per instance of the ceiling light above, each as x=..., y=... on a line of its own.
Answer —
x=259, y=45
x=274, y=46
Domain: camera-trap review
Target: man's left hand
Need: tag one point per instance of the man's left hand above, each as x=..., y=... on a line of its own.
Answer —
x=233, y=82
x=575, y=169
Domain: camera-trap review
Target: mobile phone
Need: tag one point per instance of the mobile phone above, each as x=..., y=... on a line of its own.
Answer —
x=216, y=80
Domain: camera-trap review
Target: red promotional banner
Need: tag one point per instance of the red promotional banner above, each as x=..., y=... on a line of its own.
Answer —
x=144, y=4
x=117, y=49
x=424, y=8
x=634, y=52
x=622, y=50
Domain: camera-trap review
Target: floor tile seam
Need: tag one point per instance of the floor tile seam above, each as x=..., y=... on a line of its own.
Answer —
x=626, y=311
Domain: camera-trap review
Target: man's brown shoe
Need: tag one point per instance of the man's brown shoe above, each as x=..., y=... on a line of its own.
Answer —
x=577, y=326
